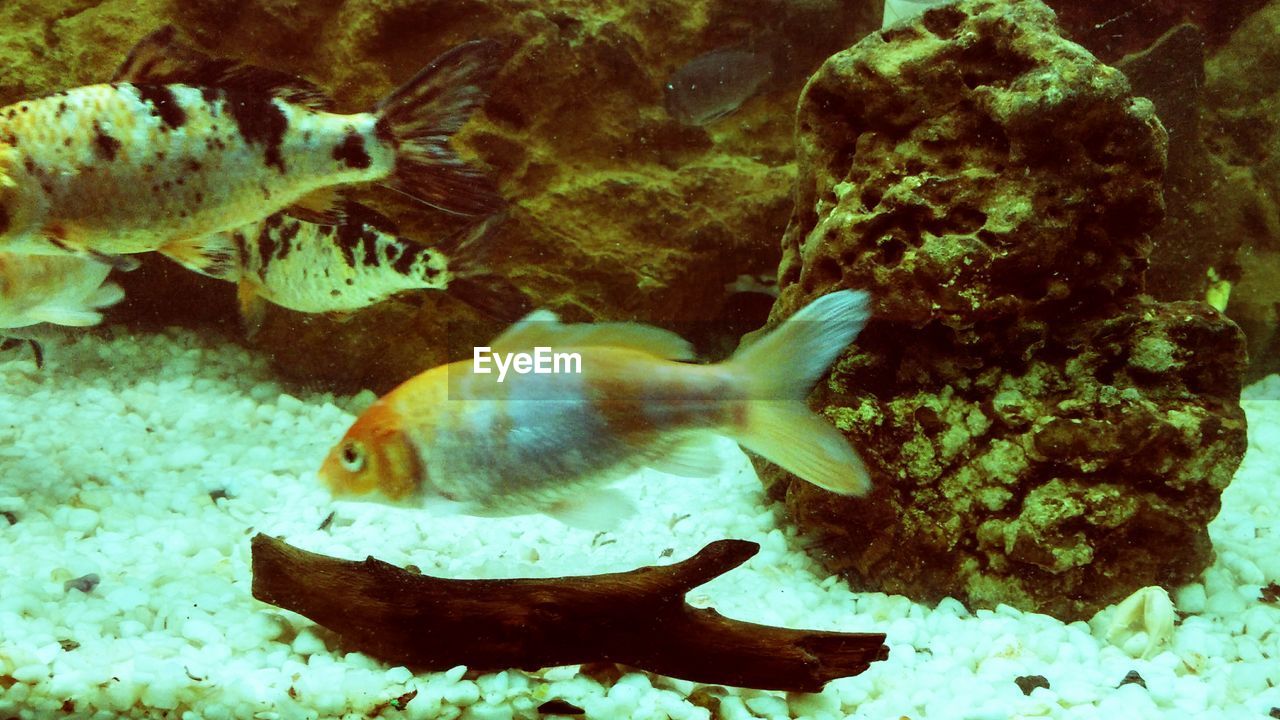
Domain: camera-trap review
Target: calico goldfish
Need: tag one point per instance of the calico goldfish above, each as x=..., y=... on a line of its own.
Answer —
x=359, y=261
x=182, y=146
x=554, y=442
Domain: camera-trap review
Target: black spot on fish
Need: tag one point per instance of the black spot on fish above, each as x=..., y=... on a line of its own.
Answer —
x=261, y=122
x=350, y=281
x=405, y=262
x=352, y=235
x=163, y=104
x=267, y=241
x=285, y=239
x=194, y=165
x=199, y=197
x=383, y=132
x=23, y=108
x=351, y=152
x=62, y=108
x=28, y=164
x=10, y=139
x=104, y=146
x=238, y=238
x=66, y=142
x=11, y=114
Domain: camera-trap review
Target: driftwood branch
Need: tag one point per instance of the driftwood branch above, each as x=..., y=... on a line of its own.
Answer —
x=636, y=618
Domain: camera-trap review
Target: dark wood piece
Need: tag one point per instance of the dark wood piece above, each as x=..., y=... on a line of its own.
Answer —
x=636, y=618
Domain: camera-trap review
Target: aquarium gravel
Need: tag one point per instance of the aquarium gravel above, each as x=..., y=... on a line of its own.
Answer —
x=134, y=470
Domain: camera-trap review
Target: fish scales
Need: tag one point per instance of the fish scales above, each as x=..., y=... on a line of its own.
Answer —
x=135, y=166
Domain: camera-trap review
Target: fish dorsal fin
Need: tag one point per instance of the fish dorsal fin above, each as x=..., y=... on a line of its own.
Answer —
x=541, y=328
x=164, y=57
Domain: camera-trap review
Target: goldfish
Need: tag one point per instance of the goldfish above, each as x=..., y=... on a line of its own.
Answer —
x=50, y=289
x=554, y=442
x=715, y=84
x=182, y=146
x=362, y=260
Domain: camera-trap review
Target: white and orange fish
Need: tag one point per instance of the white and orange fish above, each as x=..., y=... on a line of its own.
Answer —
x=183, y=146
x=553, y=442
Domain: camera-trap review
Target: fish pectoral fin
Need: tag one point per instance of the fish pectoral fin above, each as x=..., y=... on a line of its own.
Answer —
x=214, y=255
x=69, y=239
x=253, y=307
x=339, y=316
x=326, y=206
x=599, y=510
x=541, y=328
x=164, y=57
x=692, y=457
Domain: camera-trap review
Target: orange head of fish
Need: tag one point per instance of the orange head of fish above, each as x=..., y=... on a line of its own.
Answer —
x=374, y=456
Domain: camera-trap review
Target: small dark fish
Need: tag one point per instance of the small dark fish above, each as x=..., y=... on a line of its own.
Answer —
x=84, y=583
x=557, y=706
x=713, y=85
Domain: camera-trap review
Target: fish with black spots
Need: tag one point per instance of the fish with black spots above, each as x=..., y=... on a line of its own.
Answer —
x=182, y=146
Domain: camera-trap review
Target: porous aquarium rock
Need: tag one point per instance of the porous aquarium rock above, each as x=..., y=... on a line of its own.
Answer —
x=1039, y=432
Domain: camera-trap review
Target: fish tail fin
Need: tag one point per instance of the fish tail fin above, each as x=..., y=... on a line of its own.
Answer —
x=779, y=370
x=472, y=279
x=423, y=114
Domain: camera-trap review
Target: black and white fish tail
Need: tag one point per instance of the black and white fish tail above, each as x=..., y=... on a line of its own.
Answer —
x=473, y=280
x=422, y=115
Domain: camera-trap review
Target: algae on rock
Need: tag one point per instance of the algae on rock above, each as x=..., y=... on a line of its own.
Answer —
x=1040, y=433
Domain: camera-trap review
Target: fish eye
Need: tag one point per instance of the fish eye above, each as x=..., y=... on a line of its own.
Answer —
x=352, y=457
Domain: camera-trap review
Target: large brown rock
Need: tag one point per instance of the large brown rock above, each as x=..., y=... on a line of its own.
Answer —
x=1039, y=433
